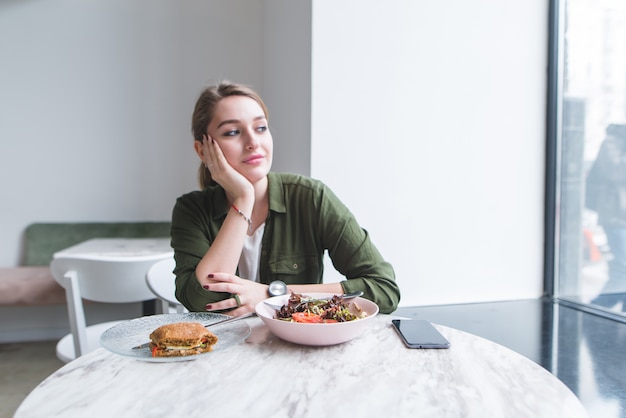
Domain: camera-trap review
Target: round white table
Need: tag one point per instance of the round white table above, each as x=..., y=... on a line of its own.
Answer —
x=119, y=249
x=371, y=376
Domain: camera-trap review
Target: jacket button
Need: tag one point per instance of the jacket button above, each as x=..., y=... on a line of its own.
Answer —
x=295, y=266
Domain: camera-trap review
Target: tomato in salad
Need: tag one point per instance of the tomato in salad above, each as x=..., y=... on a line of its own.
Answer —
x=305, y=309
x=309, y=318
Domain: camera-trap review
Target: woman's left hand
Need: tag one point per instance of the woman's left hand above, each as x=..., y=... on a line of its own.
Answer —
x=246, y=293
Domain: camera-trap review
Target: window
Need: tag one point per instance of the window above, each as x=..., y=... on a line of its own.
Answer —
x=586, y=187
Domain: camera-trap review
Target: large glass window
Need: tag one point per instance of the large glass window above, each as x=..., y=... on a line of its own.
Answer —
x=590, y=156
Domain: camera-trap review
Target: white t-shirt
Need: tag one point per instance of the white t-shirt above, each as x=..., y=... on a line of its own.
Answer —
x=251, y=255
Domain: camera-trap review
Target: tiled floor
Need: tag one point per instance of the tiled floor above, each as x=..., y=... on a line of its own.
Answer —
x=22, y=368
x=587, y=352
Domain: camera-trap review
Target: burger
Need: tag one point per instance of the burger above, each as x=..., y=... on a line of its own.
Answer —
x=181, y=339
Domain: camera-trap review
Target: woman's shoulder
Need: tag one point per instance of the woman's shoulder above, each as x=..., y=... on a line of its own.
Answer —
x=210, y=197
x=295, y=180
x=192, y=196
x=289, y=187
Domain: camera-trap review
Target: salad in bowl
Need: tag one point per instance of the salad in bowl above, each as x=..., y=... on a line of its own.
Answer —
x=316, y=319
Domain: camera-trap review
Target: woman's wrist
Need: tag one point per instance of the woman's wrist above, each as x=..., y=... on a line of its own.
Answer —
x=244, y=216
x=245, y=202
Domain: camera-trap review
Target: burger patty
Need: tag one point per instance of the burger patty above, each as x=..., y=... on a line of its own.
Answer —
x=181, y=339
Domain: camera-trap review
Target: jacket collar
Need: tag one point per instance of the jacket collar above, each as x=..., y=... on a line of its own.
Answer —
x=276, y=191
x=276, y=197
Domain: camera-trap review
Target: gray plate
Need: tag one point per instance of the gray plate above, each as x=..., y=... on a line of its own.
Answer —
x=121, y=338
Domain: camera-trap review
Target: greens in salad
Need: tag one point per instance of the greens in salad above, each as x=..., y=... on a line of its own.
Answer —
x=306, y=309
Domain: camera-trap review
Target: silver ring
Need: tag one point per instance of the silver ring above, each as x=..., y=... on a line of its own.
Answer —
x=236, y=297
x=209, y=165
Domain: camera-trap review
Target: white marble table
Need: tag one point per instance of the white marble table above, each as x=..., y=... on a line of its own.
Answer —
x=371, y=376
x=119, y=249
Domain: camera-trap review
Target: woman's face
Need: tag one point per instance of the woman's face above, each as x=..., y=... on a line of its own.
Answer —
x=241, y=130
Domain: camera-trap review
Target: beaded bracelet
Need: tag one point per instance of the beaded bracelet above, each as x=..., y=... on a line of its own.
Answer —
x=244, y=217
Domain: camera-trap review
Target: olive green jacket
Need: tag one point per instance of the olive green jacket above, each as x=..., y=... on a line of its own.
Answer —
x=305, y=219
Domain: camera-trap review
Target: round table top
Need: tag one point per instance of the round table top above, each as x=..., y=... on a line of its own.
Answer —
x=119, y=249
x=372, y=375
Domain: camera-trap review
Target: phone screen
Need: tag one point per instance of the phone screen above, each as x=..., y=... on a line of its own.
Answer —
x=418, y=333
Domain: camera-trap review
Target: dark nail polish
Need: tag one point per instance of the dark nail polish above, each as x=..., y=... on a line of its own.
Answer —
x=208, y=307
x=210, y=276
x=206, y=286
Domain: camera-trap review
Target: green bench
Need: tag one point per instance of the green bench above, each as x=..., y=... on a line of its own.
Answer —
x=32, y=284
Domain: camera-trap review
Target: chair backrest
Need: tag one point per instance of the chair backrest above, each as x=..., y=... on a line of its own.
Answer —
x=161, y=280
x=108, y=281
x=104, y=280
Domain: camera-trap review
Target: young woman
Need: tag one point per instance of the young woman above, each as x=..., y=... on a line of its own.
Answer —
x=251, y=233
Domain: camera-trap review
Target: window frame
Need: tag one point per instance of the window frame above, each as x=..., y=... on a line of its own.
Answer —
x=553, y=164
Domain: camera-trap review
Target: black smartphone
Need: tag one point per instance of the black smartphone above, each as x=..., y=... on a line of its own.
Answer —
x=418, y=333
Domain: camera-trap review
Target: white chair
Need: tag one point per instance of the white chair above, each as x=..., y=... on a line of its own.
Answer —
x=161, y=281
x=108, y=281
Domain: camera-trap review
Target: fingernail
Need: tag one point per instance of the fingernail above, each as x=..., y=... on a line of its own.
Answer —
x=208, y=307
x=210, y=276
x=212, y=141
x=206, y=286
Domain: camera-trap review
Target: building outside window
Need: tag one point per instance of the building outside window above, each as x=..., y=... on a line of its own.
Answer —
x=588, y=115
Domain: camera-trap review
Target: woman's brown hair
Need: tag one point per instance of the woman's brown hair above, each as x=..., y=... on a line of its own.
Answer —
x=204, y=111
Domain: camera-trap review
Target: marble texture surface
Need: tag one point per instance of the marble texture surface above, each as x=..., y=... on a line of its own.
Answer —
x=372, y=375
x=119, y=249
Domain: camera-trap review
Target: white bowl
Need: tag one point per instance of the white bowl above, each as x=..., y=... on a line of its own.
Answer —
x=316, y=334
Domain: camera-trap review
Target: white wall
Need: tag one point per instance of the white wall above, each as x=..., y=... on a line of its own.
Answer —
x=96, y=101
x=426, y=118
x=287, y=82
x=428, y=121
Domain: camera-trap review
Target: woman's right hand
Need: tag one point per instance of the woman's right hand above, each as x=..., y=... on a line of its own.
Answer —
x=225, y=249
x=233, y=182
